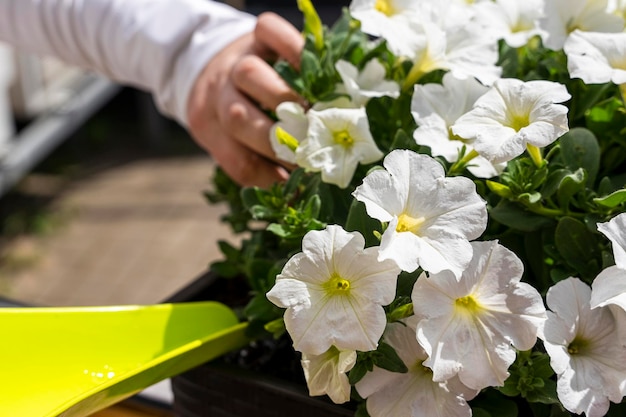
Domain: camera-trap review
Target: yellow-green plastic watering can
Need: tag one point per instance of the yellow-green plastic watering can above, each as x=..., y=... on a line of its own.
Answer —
x=75, y=361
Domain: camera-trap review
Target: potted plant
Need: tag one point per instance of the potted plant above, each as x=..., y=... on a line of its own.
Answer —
x=453, y=239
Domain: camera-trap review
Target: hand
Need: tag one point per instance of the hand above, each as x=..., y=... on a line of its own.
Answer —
x=224, y=110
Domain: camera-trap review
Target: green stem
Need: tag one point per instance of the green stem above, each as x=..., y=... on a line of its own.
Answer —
x=547, y=212
x=353, y=26
x=413, y=77
x=460, y=165
x=622, y=91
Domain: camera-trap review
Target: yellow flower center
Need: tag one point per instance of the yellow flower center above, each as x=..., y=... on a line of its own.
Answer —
x=519, y=121
x=343, y=138
x=578, y=346
x=420, y=367
x=337, y=285
x=521, y=26
x=385, y=7
x=407, y=223
x=467, y=304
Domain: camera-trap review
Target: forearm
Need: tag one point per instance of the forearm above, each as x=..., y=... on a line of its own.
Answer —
x=157, y=45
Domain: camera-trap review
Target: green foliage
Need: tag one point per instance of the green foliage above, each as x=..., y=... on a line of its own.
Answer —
x=385, y=357
x=490, y=403
x=531, y=377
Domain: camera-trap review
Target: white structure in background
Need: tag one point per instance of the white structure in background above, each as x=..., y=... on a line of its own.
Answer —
x=7, y=72
x=52, y=98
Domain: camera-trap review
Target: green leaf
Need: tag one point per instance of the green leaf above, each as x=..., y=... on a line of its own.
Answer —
x=578, y=246
x=261, y=212
x=580, y=149
x=553, y=181
x=279, y=230
x=276, y=327
x=249, y=197
x=569, y=186
x=530, y=198
x=545, y=395
x=387, y=358
x=294, y=181
x=358, y=371
x=359, y=220
x=225, y=269
x=261, y=309
x=612, y=200
x=312, y=207
x=516, y=217
x=309, y=67
x=290, y=75
x=361, y=411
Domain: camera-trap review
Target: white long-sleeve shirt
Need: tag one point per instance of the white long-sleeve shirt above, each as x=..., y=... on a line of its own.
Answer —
x=157, y=45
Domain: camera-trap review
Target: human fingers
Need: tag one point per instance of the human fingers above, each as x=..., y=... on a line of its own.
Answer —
x=258, y=80
x=276, y=36
x=243, y=165
x=244, y=121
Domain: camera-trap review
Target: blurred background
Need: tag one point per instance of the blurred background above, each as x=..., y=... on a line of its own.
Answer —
x=101, y=198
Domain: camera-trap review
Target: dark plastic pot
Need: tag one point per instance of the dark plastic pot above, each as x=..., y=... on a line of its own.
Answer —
x=240, y=385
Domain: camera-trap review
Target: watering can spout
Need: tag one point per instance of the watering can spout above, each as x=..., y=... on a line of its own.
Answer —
x=74, y=361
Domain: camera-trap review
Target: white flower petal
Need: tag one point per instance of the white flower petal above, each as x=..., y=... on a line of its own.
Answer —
x=512, y=115
x=326, y=374
x=586, y=349
x=413, y=393
x=564, y=16
x=430, y=215
x=596, y=57
x=369, y=83
x=334, y=291
x=293, y=120
x=338, y=139
x=615, y=230
x=609, y=287
x=470, y=327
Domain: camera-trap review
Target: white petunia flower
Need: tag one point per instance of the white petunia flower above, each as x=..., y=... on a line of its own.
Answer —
x=338, y=139
x=334, y=291
x=472, y=326
x=515, y=21
x=387, y=19
x=325, y=374
x=615, y=231
x=513, y=116
x=446, y=38
x=563, y=17
x=402, y=394
x=431, y=217
x=596, y=58
x=289, y=131
x=609, y=287
x=364, y=85
x=585, y=350
x=435, y=107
